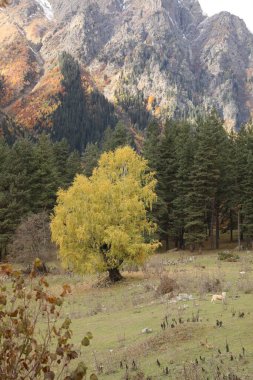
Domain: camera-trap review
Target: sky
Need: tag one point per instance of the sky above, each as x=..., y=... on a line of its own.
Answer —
x=241, y=8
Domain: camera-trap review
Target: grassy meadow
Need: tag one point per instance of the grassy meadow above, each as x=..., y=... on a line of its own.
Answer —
x=190, y=345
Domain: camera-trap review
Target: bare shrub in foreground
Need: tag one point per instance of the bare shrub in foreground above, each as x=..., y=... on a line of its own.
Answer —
x=28, y=351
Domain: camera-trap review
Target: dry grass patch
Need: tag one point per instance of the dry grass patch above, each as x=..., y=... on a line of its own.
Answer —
x=159, y=343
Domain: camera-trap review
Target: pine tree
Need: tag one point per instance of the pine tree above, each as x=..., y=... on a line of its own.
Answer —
x=203, y=186
x=90, y=158
x=247, y=204
x=151, y=144
x=166, y=169
x=15, y=188
x=224, y=183
x=61, y=153
x=151, y=151
x=232, y=196
x=45, y=181
x=116, y=138
x=243, y=146
x=184, y=155
x=106, y=140
x=4, y=222
x=73, y=167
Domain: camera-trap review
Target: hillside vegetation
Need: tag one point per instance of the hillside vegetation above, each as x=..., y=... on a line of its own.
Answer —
x=159, y=322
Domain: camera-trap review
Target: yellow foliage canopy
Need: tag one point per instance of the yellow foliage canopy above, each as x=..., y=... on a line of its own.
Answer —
x=101, y=222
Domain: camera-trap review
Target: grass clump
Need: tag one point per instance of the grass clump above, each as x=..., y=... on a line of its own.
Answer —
x=228, y=256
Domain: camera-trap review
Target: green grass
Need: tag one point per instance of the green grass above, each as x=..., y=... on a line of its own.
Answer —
x=117, y=315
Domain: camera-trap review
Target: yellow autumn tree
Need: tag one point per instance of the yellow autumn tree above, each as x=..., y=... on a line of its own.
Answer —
x=101, y=222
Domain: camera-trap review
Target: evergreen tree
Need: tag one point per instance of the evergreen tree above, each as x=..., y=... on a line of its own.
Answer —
x=30, y=177
x=45, y=182
x=203, y=186
x=167, y=169
x=73, y=167
x=184, y=143
x=15, y=187
x=67, y=164
x=151, y=145
x=106, y=140
x=210, y=182
x=224, y=182
x=90, y=158
x=151, y=151
x=116, y=138
x=243, y=145
x=247, y=204
x=61, y=153
x=5, y=223
x=232, y=196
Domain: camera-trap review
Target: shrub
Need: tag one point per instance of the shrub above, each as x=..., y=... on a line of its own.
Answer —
x=32, y=239
x=245, y=285
x=210, y=284
x=228, y=256
x=33, y=342
x=167, y=285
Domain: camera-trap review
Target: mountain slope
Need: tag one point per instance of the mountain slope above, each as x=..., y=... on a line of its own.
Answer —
x=164, y=52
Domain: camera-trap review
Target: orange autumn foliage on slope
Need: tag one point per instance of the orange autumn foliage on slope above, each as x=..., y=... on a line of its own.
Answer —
x=18, y=65
x=41, y=102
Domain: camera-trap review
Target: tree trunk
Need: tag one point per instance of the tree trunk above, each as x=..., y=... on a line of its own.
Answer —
x=212, y=224
x=217, y=235
x=181, y=240
x=2, y=253
x=239, y=229
x=114, y=274
x=231, y=225
x=166, y=240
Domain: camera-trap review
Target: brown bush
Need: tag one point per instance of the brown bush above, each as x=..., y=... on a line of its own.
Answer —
x=211, y=285
x=167, y=285
x=25, y=354
x=32, y=239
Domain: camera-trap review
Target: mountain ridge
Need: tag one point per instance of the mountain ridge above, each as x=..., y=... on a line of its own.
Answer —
x=179, y=61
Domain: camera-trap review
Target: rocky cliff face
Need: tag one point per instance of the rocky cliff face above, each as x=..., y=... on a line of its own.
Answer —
x=166, y=50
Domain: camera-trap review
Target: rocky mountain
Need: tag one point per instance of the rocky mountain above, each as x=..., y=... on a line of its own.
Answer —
x=165, y=53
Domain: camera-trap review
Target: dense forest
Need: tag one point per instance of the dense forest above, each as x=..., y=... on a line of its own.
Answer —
x=30, y=177
x=32, y=172
x=81, y=117
x=204, y=179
